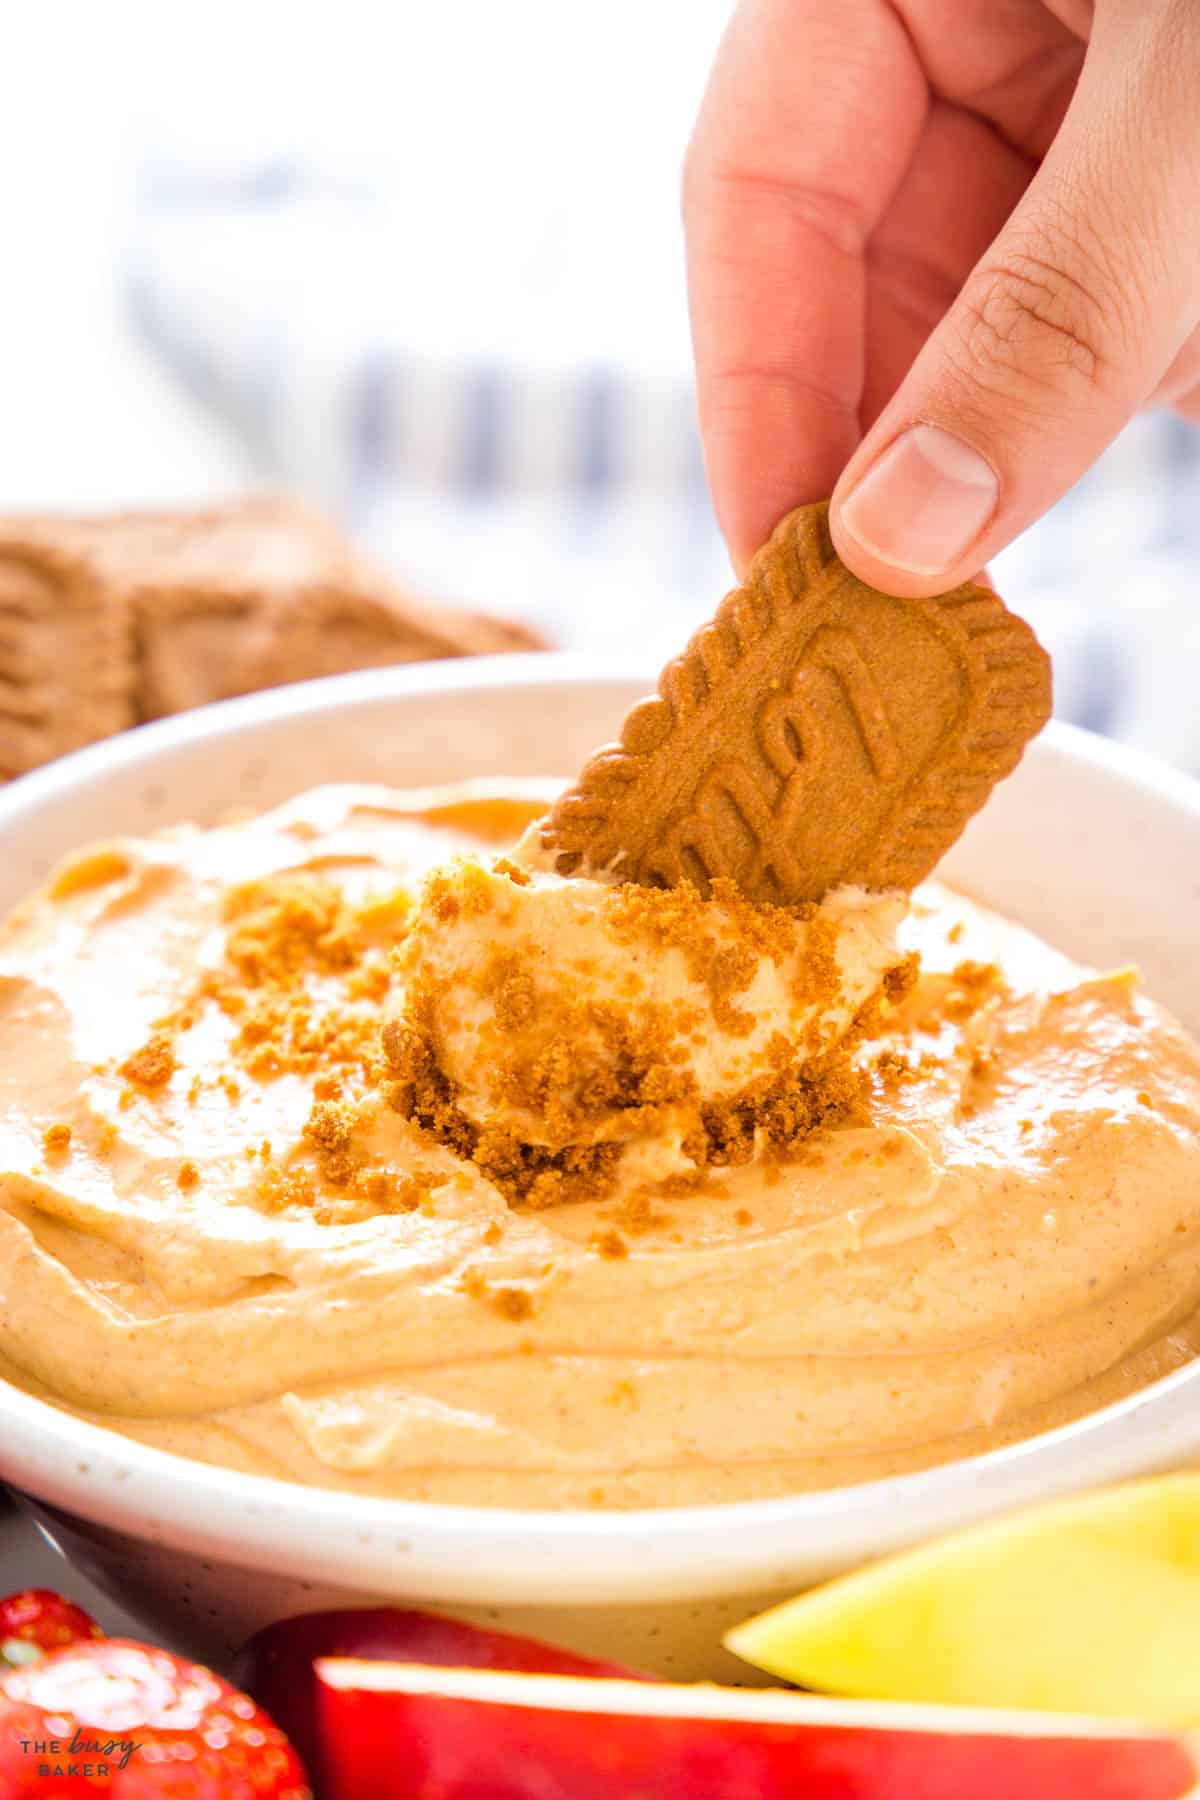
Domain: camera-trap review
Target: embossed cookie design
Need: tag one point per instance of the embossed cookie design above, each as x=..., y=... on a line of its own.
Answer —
x=816, y=733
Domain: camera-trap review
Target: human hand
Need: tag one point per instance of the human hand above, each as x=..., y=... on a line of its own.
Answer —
x=939, y=253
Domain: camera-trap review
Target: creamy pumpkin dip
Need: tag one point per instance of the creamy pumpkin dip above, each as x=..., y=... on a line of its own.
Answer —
x=484, y=1186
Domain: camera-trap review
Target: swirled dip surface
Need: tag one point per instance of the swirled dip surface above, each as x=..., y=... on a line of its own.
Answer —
x=234, y=1225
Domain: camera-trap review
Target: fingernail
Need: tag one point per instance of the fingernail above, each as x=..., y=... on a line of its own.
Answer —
x=921, y=506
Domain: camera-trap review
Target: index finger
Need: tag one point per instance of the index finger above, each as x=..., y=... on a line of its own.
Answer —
x=812, y=114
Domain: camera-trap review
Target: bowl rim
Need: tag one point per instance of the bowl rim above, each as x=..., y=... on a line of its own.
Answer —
x=332, y=693
x=555, y=1556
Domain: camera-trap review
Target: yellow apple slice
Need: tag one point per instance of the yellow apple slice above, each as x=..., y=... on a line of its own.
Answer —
x=1090, y=1605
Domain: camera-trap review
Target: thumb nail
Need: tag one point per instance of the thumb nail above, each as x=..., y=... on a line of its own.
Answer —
x=922, y=504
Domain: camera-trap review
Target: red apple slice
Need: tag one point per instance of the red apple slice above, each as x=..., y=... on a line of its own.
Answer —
x=393, y=1731
x=276, y=1665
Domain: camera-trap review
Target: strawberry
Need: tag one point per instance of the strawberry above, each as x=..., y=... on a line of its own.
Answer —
x=113, y=1717
x=37, y=1621
x=276, y=1666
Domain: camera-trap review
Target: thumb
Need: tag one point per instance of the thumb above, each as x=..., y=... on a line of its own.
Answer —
x=1061, y=332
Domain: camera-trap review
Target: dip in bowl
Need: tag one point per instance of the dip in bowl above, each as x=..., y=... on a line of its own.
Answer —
x=490, y=1405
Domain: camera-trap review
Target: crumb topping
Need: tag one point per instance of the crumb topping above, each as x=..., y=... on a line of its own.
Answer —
x=302, y=977
x=153, y=1064
x=515, y=1303
x=611, y=1244
x=584, y=1069
x=305, y=972
x=526, y=1174
x=971, y=984
x=682, y=919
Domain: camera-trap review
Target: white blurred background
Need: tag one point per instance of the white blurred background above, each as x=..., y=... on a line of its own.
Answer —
x=495, y=154
x=423, y=262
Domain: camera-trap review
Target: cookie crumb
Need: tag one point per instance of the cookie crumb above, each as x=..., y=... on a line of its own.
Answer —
x=611, y=1244
x=515, y=1303
x=518, y=876
x=153, y=1064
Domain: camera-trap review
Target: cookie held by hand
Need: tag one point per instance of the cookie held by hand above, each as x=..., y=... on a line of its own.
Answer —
x=815, y=733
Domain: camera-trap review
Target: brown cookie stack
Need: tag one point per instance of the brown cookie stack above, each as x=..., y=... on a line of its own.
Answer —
x=110, y=620
x=817, y=732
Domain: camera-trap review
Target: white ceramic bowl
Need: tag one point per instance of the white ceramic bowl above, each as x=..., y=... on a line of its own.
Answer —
x=1094, y=847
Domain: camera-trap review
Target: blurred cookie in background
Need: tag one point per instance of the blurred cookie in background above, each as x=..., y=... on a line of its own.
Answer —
x=109, y=620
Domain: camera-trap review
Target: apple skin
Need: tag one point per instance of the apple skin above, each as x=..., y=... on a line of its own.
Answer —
x=459, y=1745
x=275, y=1667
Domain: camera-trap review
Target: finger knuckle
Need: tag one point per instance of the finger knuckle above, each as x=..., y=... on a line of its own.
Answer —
x=1030, y=324
x=755, y=211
